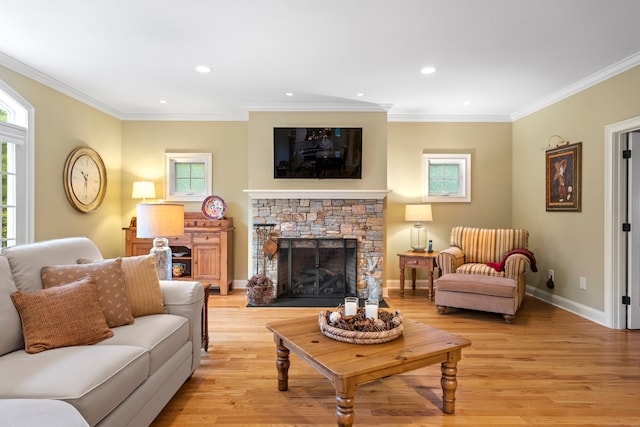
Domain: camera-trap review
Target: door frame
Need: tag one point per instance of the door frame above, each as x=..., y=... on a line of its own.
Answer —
x=614, y=216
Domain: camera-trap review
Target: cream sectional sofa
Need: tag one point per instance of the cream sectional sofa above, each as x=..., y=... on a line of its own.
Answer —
x=124, y=380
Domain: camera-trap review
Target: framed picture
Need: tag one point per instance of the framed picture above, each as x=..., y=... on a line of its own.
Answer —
x=564, y=178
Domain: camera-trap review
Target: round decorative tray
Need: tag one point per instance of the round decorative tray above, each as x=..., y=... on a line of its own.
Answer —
x=360, y=330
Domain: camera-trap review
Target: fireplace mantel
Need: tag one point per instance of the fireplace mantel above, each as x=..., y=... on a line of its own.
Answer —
x=317, y=194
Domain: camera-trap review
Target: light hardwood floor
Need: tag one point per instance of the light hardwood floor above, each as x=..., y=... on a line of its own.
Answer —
x=548, y=368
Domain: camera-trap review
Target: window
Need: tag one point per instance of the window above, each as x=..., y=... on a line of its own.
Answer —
x=446, y=177
x=187, y=176
x=16, y=170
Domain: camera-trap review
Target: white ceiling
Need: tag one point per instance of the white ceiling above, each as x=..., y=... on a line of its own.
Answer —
x=507, y=57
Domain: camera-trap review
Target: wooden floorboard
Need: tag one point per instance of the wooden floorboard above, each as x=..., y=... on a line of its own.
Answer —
x=548, y=368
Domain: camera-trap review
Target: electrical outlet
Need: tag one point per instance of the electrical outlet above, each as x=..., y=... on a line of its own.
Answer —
x=583, y=283
x=551, y=275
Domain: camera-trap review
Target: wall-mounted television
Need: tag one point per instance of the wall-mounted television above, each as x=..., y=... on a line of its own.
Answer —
x=317, y=153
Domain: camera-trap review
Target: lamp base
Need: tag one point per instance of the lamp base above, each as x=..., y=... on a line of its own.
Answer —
x=163, y=254
x=418, y=237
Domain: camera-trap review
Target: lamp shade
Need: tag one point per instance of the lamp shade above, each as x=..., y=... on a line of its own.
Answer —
x=418, y=213
x=143, y=190
x=159, y=220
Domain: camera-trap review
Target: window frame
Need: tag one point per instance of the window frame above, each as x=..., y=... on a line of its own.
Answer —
x=464, y=177
x=19, y=130
x=170, y=192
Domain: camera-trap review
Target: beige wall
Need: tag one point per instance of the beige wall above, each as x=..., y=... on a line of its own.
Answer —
x=570, y=243
x=62, y=124
x=144, y=144
x=490, y=148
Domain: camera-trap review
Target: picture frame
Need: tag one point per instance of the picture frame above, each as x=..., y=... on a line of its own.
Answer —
x=564, y=178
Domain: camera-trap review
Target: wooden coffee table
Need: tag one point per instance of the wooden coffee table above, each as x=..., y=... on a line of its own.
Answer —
x=349, y=365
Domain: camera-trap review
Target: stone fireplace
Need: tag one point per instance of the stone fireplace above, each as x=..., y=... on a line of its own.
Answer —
x=302, y=216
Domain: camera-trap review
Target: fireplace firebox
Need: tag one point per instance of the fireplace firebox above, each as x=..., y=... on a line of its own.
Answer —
x=317, y=268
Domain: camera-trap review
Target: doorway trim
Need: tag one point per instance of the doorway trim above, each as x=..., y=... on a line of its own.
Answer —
x=614, y=216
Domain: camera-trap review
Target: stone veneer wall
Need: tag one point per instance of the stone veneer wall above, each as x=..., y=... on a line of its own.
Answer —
x=361, y=219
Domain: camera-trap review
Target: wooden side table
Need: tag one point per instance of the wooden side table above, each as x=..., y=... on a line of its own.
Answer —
x=415, y=260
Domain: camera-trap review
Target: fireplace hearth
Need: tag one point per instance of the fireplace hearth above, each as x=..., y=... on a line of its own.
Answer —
x=317, y=268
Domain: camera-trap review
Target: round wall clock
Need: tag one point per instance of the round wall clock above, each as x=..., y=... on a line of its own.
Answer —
x=214, y=207
x=85, y=179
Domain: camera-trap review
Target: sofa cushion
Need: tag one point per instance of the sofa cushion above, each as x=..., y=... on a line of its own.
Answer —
x=61, y=316
x=38, y=413
x=160, y=334
x=142, y=285
x=94, y=379
x=11, y=335
x=27, y=260
x=109, y=281
x=477, y=284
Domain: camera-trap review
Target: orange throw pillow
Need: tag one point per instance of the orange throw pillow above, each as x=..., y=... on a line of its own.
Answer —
x=61, y=316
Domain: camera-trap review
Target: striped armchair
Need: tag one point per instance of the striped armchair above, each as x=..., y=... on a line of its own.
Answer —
x=492, y=252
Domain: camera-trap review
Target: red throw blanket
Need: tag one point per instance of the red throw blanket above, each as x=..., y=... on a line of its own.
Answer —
x=499, y=266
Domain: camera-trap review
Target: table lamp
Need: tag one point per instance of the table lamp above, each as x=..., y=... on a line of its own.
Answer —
x=159, y=221
x=143, y=190
x=418, y=214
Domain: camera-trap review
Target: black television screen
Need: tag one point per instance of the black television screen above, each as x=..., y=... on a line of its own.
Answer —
x=317, y=153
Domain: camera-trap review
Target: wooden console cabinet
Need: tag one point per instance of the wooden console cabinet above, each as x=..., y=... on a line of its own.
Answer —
x=205, y=248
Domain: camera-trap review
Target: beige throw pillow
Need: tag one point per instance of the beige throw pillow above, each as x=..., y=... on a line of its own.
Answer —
x=142, y=284
x=109, y=280
x=61, y=316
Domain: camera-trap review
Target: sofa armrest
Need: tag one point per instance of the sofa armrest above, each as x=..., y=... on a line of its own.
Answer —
x=449, y=260
x=516, y=265
x=186, y=298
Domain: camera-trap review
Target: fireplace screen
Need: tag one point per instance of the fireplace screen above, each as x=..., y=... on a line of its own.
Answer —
x=317, y=268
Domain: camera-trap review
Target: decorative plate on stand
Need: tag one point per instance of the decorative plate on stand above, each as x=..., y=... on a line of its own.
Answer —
x=214, y=207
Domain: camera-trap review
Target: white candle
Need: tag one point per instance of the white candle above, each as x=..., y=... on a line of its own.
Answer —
x=350, y=306
x=371, y=309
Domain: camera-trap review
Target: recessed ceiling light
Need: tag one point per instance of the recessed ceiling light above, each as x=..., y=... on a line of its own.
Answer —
x=289, y=93
x=466, y=102
x=359, y=94
x=203, y=69
x=163, y=101
x=428, y=70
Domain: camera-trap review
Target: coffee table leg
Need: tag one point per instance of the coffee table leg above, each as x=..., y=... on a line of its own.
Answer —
x=282, y=364
x=449, y=385
x=344, y=411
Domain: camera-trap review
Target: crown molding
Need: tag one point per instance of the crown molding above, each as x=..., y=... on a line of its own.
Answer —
x=435, y=118
x=240, y=117
x=592, y=80
x=336, y=107
x=30, y=72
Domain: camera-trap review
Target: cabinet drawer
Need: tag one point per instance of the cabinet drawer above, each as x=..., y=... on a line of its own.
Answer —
x=419, y=262
x=185, y=239
x=206, y=238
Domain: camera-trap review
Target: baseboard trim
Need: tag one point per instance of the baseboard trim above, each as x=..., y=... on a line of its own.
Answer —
x=571, y=306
